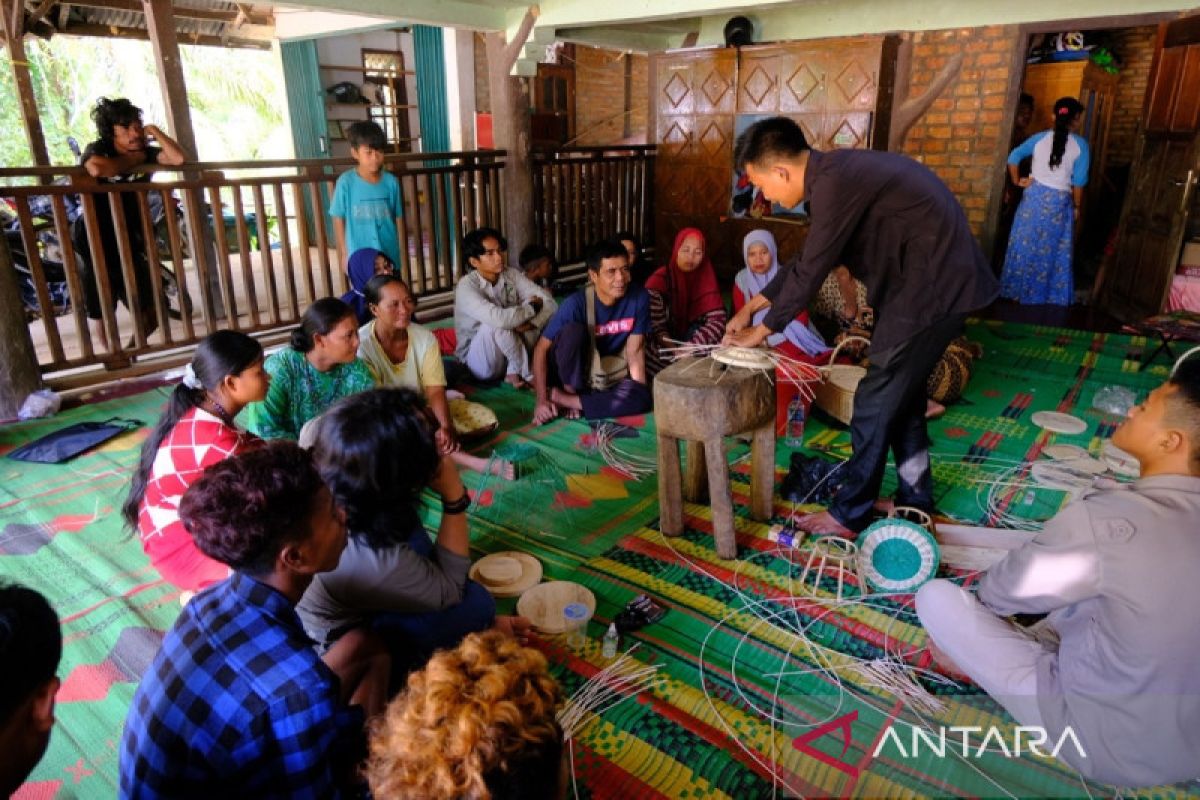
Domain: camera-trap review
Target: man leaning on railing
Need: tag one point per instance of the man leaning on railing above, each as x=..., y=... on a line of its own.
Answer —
x=123, y=147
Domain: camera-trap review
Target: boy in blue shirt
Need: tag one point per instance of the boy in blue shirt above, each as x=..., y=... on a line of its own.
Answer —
x=366, y=206
x=590, y=360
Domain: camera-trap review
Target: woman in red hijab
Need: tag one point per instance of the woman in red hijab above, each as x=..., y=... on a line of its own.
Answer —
x=685, y=303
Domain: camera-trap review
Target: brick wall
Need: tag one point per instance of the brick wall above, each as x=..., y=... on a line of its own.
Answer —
x=960, y=135
x=1135, y=46
x=600, y=99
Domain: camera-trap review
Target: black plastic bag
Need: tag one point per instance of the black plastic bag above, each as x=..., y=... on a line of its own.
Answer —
x=63, y=445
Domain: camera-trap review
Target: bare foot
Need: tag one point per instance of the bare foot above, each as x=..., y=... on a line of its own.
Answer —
x=495, y=466
x=884, y=505
x=572, y=413
x=933, y=409
x=515, y=626
x=516, y=381
x=824, y=522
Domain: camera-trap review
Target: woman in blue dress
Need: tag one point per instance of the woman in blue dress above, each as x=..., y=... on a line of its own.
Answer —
x=1037, y=267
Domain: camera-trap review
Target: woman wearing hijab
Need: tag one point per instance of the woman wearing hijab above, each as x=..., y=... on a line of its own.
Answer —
x=363, y=265
x=799, y=340
x=685, y=303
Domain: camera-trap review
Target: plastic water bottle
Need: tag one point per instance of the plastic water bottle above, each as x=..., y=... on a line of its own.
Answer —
x=794, y=433
x=608, y=647
x=575, y=617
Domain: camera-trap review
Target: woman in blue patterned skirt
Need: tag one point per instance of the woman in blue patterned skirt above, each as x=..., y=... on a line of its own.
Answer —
x=1037, y=268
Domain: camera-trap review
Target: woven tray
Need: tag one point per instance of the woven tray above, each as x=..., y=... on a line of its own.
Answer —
x=835, y=394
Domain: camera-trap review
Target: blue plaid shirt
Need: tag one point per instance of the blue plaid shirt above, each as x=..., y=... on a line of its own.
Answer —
x=238, y=703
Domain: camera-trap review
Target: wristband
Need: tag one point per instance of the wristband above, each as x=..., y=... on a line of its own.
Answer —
x=458, y=506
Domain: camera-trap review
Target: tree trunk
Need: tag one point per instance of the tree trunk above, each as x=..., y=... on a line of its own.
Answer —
x=18, y=361
x=512, y=132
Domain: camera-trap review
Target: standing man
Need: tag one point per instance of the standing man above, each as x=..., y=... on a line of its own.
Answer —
x=124, y=146
x=901, y=232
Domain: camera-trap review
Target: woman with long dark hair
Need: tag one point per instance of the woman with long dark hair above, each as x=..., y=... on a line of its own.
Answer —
x=195, y=431
x=1037, y=267
x=377, y=451
x=321, y=367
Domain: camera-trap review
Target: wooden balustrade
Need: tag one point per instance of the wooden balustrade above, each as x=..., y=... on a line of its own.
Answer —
x=278, y=255
x=247, y=245
x=582, y=194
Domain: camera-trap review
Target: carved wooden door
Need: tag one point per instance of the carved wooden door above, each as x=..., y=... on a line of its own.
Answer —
x=694, y=102
x=1135, y=281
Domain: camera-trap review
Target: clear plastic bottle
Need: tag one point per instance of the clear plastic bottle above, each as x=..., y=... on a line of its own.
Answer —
x=575, y=617
x=608, y=648
x=794, y=433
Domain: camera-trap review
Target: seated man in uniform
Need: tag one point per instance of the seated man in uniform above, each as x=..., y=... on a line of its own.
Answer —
x=1115, y=661
x=591, y=358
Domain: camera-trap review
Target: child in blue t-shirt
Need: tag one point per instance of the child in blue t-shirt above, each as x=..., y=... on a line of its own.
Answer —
x=563, y=357
x=366, y=206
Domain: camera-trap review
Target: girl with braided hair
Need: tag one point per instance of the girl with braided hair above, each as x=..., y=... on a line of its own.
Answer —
x=1037, y=267
x=195, y=431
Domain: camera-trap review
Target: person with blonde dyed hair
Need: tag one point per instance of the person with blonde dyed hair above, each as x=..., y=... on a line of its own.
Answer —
x=478, y=722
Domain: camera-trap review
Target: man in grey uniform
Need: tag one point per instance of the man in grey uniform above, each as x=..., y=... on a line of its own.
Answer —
x=1116, y=571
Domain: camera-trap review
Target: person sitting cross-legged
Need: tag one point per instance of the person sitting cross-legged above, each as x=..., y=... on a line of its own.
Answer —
x=498, y=312
x=378, y=451
x=591, y=359
x=237, y=703
x=1115, y=661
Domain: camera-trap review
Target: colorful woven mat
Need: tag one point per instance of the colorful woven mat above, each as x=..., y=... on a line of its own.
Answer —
x=744, y=706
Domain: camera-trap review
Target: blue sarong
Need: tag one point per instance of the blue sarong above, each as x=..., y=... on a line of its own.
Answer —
x=1037, y=267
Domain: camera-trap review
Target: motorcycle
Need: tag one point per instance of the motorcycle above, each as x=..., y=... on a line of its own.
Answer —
x=176, y=298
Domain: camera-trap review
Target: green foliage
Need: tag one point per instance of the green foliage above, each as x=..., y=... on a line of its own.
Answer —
x=236, y=96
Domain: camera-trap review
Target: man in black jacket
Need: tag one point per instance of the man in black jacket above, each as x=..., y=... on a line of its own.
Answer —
x=901, y=232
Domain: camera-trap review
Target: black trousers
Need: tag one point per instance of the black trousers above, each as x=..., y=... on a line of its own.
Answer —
x=889, y=414
x=569, y=362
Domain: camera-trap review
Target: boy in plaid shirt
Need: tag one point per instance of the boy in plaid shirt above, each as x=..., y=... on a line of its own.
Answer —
x=237, y=700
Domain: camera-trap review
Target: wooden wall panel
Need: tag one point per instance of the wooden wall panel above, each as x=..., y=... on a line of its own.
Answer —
x=838, y=90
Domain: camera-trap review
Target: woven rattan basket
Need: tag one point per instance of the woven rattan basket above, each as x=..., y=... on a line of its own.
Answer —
x=835, y=394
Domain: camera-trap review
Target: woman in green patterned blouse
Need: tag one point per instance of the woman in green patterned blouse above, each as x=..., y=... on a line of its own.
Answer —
x=320, y=367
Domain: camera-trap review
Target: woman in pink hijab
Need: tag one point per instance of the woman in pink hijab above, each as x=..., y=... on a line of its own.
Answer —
x=685, y=302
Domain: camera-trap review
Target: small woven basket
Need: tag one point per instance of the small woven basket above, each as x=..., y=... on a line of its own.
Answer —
x=835, y=394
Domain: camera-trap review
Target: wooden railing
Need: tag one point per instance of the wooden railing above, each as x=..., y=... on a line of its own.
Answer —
x=261, y=287
x=582, y=194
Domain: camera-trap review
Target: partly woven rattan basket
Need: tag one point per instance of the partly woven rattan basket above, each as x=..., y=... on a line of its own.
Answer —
x=835, y=394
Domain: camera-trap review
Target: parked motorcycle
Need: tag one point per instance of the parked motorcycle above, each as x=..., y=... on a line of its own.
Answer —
x=176, y=298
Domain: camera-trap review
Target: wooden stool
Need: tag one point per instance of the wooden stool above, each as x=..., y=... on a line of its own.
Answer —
x=701, y=401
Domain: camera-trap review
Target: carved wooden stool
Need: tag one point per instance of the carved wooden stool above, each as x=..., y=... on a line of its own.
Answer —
x=701, y=401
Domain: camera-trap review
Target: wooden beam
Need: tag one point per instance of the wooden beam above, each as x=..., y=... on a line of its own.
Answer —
x=160, y=23
x=19, y=63
x=18, y=359
x=512, y=131
x=182, y=12
x=42, y=9
x=113, y=32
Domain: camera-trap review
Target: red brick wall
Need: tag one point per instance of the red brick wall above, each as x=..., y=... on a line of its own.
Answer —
x=600, y=96
x=1135, y=46
x=961, y=134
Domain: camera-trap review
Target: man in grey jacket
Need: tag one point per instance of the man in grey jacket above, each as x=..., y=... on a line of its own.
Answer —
x=1116, y=659
x=498, y=312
